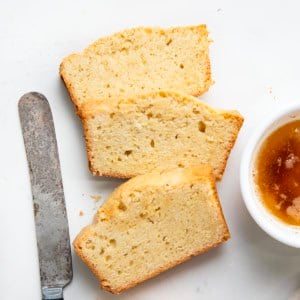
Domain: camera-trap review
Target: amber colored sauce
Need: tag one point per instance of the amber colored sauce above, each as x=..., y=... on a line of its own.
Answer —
x=277, y=173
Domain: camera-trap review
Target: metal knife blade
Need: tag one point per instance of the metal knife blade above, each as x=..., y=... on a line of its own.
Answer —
x=51, y=223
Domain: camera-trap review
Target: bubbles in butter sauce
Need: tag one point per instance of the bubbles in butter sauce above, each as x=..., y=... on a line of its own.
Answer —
x=277, y=173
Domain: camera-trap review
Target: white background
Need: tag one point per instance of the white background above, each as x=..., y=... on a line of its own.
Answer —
x=256, y=67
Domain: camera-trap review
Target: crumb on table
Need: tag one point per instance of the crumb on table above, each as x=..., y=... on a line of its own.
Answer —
x=81, y=213
x=96, y=198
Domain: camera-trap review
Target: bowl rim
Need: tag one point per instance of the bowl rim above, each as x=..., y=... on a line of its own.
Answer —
x=289, y=235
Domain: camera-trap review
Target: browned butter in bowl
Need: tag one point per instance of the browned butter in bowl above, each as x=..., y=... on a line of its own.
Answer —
x=277, y=173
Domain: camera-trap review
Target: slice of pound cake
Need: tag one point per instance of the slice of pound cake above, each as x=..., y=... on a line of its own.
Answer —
x=157, y=131
x=140, y=60
x=152, y=223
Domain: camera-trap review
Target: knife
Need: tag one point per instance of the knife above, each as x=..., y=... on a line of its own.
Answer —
x=51, y=223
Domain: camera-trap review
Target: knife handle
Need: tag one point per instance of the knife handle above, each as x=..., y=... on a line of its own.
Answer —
x=52, y=293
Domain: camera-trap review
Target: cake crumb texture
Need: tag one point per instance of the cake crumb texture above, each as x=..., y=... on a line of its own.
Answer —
x=157, y=131
x=140, y=60
x=152, y=223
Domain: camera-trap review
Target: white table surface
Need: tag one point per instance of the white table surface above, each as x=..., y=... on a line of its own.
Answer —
x=255, y=62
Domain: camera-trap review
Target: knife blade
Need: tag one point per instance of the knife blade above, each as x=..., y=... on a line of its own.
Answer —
x=51, y=223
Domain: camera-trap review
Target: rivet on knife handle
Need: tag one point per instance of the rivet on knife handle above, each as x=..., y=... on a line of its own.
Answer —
x=51, y=223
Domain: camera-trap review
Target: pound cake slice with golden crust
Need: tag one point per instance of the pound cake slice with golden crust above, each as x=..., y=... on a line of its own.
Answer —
x=152, y=223
x=140, y=60
x=157, y=131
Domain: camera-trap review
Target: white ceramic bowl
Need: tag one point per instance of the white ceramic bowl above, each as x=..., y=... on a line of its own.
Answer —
x=287, y=234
